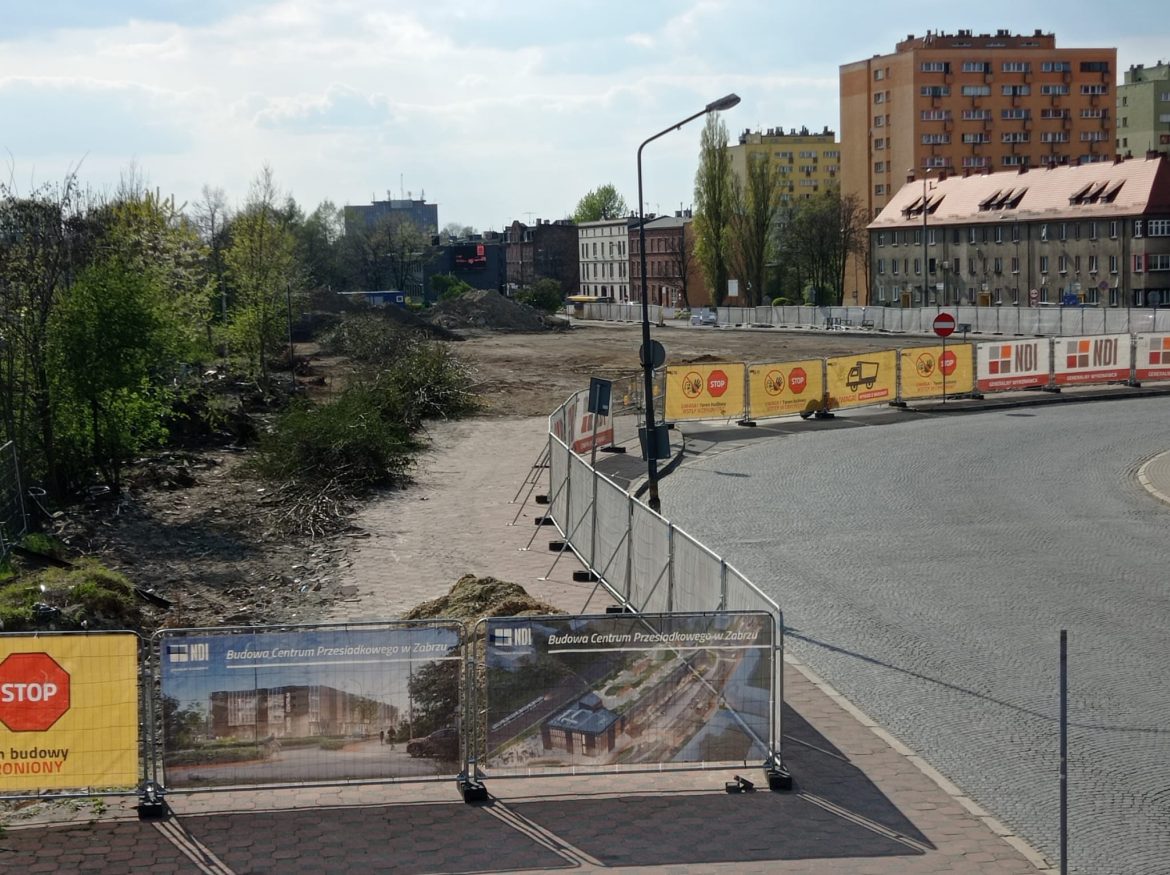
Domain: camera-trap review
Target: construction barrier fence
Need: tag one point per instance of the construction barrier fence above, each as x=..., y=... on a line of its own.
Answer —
x=1039, y=321
x=743, y=391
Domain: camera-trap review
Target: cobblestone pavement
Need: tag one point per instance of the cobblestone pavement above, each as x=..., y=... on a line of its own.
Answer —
x=926, y=567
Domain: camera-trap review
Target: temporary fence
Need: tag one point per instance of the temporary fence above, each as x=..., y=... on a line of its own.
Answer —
x=645, y=562
x=13, y=520
x=747, y=391
x=194, y=710
x=1012, y=320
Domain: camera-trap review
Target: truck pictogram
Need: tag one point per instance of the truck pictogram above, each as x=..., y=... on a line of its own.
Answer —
x=862, y=372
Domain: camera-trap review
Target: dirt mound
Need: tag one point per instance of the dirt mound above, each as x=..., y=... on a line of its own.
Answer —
x=491, y=310
x=473, y=597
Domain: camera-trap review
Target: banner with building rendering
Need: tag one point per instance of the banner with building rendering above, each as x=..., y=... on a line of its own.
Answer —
x=68, y=711
x=619, y=690
x=310, y=704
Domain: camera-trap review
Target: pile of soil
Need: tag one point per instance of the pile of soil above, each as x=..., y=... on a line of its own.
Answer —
x=473, y=597
x=490, y=310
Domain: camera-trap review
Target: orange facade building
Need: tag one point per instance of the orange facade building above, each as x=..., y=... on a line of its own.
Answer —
x=946, y=104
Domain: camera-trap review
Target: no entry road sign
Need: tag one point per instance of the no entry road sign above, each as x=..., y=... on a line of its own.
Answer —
x=944, y=324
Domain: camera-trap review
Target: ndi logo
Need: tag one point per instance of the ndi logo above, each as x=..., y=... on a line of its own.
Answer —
x=188, y=653
x=518, y=636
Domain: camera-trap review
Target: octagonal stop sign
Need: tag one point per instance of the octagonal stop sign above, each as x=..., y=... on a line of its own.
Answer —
x=34, y=692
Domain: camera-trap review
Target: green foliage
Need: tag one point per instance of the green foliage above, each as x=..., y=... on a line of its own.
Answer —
x=714, y=191
x=755, y=207
x=59, y=598
x=350, y=441
x=545, y=295
x=447, y=287
x=109, y=338
x=603, y=202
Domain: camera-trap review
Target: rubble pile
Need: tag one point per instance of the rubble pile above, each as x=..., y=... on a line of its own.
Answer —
x=489, y=310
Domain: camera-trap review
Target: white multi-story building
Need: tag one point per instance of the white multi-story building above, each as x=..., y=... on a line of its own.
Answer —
x=605, y=258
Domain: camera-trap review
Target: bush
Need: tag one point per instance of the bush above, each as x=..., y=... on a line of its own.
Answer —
x=88, y=596
x=544, y=295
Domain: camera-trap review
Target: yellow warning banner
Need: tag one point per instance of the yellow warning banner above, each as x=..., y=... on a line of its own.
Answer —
x=707, y=391
x=784, y=388
x=857, y=380
x=68, y=711
x=929, y=371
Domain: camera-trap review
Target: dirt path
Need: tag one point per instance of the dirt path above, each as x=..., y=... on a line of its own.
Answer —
x=456, y=519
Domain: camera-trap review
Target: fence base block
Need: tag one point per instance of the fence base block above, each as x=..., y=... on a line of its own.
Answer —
x=473, y=791
x=542, y=499
x=585, y=577
x=779, y=779
x=557, y=546
x=740, y=785
x=151, y=804
x=748, y=423
x=612, y=449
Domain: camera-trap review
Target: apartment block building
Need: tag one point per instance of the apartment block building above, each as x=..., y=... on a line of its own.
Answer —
x=967, y=102
x=1093, y=234
x=1143, y=110
x=808, y=163
x=604, y=257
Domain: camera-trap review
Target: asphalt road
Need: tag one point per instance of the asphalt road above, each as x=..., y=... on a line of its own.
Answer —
x=926, y=566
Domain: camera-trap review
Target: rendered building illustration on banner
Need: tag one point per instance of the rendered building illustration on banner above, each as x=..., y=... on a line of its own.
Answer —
x=68, y=711
x=617, y=690
x=327, y=704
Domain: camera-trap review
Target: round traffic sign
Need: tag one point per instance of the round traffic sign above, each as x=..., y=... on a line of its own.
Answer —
x=34, y=692
x=944, y=324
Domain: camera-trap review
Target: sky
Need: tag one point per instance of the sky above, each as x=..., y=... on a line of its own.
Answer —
x=493, y=110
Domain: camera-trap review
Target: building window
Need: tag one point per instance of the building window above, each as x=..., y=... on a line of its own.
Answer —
x=1054, y=137
x=1137, y=227
x=935, y=67
x=1092, y=230
x=1013, y=160
x=976, y=67
x=976, y=161
x=1016, y=90
x=1113, y=261
x=997, y=265
x=936, y=91
x=1055, y=67
x=1113, y=230
x=894, y=266
x=1043, y=264
x=980, y=137
x=879, y=121
x=935, y=139
x=1113, y=297
x=1015, y=136
x=1138, y=263
x=1053, y=113
x=971, y=235
x=976, y=90
x=1015, y=232
x=1094, y=66
x=879, y=144
x=881, y=266
x=1015, y=67
x=1015, y=114
x=1158, y=262
x=879, y=74
x=1062, y=263
x=1054, y=90
x=976, y=115
x=936, y=115
x=1098, y=112
x=1099, y=88
x=1093, y=264
x=1158, y=228
x=1094, y=136
x=1015, y=264
x=879, y=189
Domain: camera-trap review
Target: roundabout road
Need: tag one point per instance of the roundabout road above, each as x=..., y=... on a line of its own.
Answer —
x=926, y=566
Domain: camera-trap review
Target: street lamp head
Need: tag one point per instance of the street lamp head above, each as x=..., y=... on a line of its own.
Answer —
x=723, y=103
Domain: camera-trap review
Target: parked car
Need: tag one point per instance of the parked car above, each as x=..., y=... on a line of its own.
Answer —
x=704, y=316
x=441, y=744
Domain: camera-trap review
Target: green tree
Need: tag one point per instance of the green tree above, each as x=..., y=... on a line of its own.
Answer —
x=714, y=187
x=447, y=286
x=265, y=274
x=755, y=207
x=544, y=294
x=109, y=341
x=817, y=240
x=603, y=202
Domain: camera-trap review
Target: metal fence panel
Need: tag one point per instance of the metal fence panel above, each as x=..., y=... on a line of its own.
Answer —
x=580, y=518
x=69, y=716
x=621, y=692
x=13, y=520
x=612, y=537
x=311, y=704
x=649, y=560
x=558, y=485
x=696, y=575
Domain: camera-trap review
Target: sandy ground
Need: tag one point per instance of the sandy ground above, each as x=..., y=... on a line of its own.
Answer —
x=471, y=510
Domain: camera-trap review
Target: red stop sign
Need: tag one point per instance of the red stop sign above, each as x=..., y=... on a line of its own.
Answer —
x=944, y=324
x=716, y=383
x=34, y=692
x=797, y=380
x=948, y=361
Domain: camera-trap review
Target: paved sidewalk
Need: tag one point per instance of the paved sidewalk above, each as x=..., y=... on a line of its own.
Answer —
x=863, y=803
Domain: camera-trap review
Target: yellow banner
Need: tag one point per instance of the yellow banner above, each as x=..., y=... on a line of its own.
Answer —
x=925, y=370
x=68, y=711
x=707, y=391
x=784, y=388
x=856, y=380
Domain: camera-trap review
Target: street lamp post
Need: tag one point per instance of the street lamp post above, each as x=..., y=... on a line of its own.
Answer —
x=651, y=441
